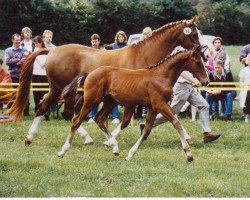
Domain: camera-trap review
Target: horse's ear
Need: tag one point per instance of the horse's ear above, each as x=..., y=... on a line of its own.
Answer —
x=194, y=20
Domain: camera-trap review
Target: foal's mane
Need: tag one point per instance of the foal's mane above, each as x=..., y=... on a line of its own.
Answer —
x=170, y=27
x=168, y=58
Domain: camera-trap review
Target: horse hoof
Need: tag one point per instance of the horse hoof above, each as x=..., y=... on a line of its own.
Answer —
x=27, y=141
x=190, y=158
x=127, y=159
x=107, y=144
x=116, y=153
x=89, y=143
x=60, y=155
x=189, y=141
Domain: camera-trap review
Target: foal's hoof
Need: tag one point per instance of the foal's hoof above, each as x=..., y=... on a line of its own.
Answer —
x=116, y=153
x=89, y=143
x=189, y=141
x=27, y=141
x=190, y=158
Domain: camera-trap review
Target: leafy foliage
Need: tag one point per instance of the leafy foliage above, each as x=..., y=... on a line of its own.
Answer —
x=74, y=21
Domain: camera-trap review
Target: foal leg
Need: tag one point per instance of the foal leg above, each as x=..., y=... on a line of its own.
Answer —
x=126, y=118
x=146, y=131
x=42, y=109
x=101, y=118
x=83, y=133
x=169, y=114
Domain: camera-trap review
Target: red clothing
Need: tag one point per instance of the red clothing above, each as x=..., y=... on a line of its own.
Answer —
x=5, y=78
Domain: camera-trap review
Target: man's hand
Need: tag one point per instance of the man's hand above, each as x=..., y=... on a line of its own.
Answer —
x=196, y=84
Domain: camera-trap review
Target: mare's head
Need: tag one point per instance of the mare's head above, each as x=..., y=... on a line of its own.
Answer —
x=189, y=34
x=196, y=65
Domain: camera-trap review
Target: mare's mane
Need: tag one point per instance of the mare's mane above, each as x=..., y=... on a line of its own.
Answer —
x=169, y=27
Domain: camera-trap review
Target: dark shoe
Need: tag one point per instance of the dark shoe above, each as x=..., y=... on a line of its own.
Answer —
x=208, y=137
x=228, y=118
x=142, y=126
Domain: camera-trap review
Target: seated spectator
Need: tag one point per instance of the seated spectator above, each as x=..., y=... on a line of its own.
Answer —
x=243, y=54
x=244, y=95
x=4, y=78
x=221, y=75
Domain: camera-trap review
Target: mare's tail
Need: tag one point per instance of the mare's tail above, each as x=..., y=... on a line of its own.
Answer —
x=71, y=88
x=23, y=90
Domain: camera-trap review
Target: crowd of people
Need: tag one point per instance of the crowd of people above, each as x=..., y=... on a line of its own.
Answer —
x=206, y=102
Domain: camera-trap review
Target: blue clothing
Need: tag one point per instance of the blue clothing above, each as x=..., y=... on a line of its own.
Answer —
x=93, y=112
x=118, y=45
x=115, y=111
x=229, y=97
x=215, y=107
x=14, y=58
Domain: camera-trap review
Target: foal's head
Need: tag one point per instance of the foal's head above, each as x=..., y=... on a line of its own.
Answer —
x=196, y=65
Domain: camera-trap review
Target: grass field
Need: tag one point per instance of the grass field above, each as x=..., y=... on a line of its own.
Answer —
x=220, y=169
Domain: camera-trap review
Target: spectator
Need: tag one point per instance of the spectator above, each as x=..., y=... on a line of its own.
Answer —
x=245, y=94
x=221, y=75
x=4, y=78
x=26, y=35
x=39, y=72
x=47, y=38
x=141, y=111
x=243, y=54
x=14, y=57
x=120, y=42
x=184, y=91
x=220, y=53
x=95, y=43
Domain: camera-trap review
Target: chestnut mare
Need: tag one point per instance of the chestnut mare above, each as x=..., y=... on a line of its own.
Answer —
x=151, y=87
x=64, y=63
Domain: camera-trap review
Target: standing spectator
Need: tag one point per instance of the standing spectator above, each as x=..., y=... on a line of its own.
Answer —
x=26, y=35
x=243, y=54
x=141, y=110
x=47, y=38
x=120, y=42
x=95, y=43
x=221, y=75
x=4, y=78
x=39, y=71
x=14, y=57
x=244, y=94
x=245, y=51
x=26, y=42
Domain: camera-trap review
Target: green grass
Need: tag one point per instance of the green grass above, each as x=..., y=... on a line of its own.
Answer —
x=220, y=169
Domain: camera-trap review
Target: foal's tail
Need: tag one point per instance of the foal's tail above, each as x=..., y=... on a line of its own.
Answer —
x=71, y=88
x=23, y=90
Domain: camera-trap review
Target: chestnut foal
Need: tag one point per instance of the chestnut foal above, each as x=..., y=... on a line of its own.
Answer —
x=151, y=87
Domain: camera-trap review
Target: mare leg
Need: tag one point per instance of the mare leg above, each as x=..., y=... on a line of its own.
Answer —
x=146, y=131
x=169, y=114
x=83, y=133
x=76, y=122
x=41, y=110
